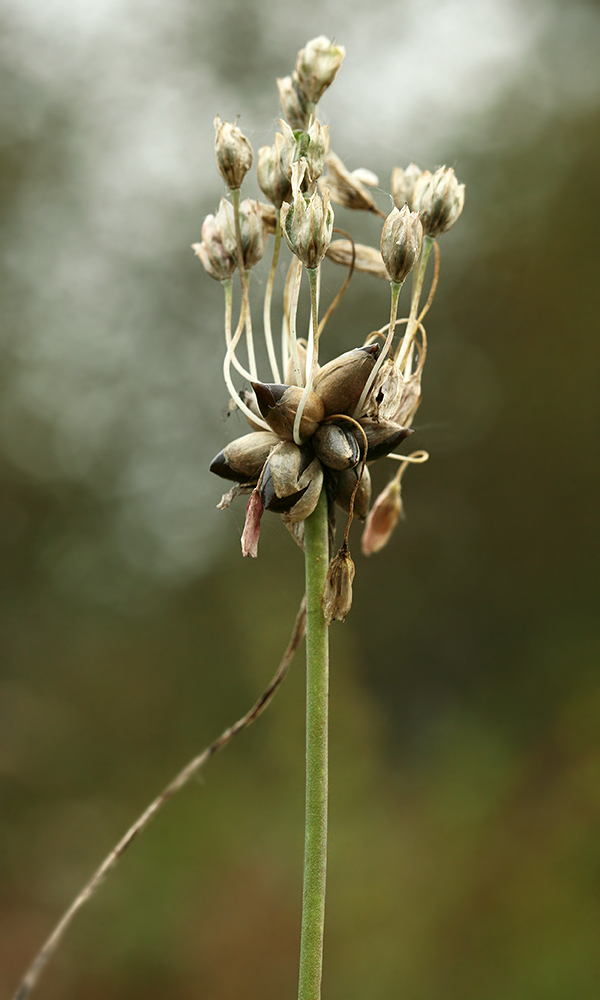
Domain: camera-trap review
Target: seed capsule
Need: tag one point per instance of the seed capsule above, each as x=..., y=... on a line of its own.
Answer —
x=382, y=436
x=403, y=184
x=340, y=383
x=243, y=459
x=401, y=242
x=440, y=200
x=316, y=66
x=279, y=404
x=291, y=483
x=336, y=446
x=233, y=153
x=344, y=484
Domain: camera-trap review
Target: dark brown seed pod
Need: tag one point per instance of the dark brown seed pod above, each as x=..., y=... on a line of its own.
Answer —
x=242, y=459
x=382, y=436
x=279, y=405
x=340, y=383
x=336, y=446
x=344, y=484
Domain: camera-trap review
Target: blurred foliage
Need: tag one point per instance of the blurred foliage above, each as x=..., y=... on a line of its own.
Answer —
x=465, y=804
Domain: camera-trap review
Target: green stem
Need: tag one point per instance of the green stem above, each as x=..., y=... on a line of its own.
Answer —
x=317, y=684
x=411, y=328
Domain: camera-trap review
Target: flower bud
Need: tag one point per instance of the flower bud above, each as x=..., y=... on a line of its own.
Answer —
x=345, y=188
x=233, y=153
x=307, y=225
x=340, y=383
x=403, y=184
x=440, y=200
x=243, y=459
x=279, y=404
x=316, y=67
x=314, y=146
x=274, y=170
x=344, y=485
x=292, y=481
x=401, y=242
x=382, y=519
x=335, y=446
x=337, y=592
x=294, y=103
x=252, y=230
x=217, y=261
x=382, y=436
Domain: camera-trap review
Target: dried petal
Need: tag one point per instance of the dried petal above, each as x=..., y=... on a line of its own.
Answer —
x=345, y=188
x=382, y=519
x=366, y=259
x=251, y=532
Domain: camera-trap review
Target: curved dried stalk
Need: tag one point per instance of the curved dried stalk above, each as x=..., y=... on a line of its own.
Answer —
x=37, y=966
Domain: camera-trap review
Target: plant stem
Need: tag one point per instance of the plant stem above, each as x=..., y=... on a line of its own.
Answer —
x=317, y=694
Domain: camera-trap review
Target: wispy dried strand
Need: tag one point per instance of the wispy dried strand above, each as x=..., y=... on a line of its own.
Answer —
x=37, y=966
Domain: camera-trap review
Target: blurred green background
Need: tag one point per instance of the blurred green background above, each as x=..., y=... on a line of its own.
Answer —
x=465, y=772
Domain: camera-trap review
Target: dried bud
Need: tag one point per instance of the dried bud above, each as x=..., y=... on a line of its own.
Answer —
x=340, y=383
x=440, y=200
x=316, y=67
x=274, y=170
x=403, y=184
x=314, y=148
x=337, y=592
x=233, y=153
x=344, y=485
x=366, y=259
x=279, y=404
x=294, y=103
x=345, y=188
x=251, y=532
x=336, y=446
x=382, y=436
x=291, y=483
x=217, y=261
x=382, y=519
x=252, y=230
x=243, y=459
x=307, y=224
x=401, y=242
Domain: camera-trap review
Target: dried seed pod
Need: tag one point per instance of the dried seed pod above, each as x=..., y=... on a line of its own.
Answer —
x=335, y=446
x=401, y=242
x=340, y=383
x=337, y=592
x=291, y=482
x=274, y=171
x=279, y=404
x=382, y=519
x=233, y=153
x=382, y=436
x=440, y=200
x=251, y=532
x=403, y=184
x=316, y=66
x=243, y=459
x=307, y=225
x=217, y=260
x=344, y=484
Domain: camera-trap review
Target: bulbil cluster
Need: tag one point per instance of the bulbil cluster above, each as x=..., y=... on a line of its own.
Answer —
x=318, y=427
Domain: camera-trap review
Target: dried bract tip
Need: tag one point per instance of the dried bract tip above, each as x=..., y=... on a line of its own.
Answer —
x=337, y=592
x=440, y=200
x=316, y=67
x=233, y=153
x=382, y=519
x=401, y=242
x=345, y=188
x=307, y=226
x=403, y=184
x=251, y=532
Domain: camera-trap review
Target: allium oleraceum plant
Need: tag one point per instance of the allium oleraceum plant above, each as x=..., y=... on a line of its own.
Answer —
x=315, y=427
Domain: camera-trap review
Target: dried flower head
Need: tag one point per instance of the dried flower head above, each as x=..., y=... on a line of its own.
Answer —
x=440, y=200
x=401, y=242
x=233, y=153
x=307, y=224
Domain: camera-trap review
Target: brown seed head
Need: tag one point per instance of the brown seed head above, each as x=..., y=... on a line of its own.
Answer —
x=233, y=153
x=279, y=404
x=340, y=383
